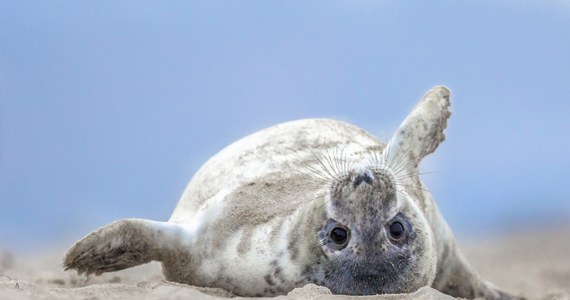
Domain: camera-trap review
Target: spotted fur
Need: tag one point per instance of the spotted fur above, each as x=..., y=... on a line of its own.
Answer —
x=256, y=219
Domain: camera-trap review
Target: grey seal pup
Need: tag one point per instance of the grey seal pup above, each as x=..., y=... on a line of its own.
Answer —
x=309, y=201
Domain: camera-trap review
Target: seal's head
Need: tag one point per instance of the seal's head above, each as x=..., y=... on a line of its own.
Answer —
x=374, y=236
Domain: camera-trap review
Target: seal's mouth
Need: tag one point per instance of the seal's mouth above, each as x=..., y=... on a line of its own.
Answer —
x=367, y=278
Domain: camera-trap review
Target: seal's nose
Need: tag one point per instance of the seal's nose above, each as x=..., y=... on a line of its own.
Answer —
x=363, y=176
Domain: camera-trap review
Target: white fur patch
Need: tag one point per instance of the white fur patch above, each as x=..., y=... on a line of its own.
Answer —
x=209, y=212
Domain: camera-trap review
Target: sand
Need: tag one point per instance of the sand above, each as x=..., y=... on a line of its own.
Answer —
x=535, y=264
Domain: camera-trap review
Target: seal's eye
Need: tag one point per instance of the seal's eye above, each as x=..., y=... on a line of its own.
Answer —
x=339, y=235
x=396, y=230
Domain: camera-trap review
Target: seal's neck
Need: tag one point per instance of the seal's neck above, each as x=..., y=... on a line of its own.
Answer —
x=304, y=248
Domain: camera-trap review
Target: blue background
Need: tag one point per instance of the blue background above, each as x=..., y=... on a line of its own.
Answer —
x=107, y=108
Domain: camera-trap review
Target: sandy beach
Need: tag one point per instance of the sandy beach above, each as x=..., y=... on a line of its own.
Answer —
x=534, y=263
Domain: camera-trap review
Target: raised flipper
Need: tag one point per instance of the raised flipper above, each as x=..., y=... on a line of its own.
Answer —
x=123, y=244
x=419, y=135
x=422, y=130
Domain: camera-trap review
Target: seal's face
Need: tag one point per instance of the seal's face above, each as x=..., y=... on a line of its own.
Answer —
x=374, y=240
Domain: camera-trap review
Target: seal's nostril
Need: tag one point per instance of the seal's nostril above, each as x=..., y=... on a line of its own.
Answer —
x=364, y=177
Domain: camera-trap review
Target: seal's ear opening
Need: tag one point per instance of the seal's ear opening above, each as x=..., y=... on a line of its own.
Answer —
x=422, y=131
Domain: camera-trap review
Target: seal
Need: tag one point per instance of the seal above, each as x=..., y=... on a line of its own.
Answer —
x=310, y=201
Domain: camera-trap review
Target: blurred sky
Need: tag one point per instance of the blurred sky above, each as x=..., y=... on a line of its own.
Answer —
x=107, y=108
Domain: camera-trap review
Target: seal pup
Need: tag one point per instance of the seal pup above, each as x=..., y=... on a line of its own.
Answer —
x=309, y=201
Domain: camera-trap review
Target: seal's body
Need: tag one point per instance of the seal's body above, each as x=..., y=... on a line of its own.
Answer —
x=251, y=215
x=310, y=201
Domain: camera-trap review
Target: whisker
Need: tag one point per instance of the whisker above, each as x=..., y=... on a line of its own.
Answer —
x=404, y=176
x=312, y=173
x=329, y=160
x=323, y=166
x=343, y=160
x=317, y=172
x=404, y=166
x=394, y=163
x=411, y=186
x=345, y=163
x=403, y=193
x=402, y=163
x=371, y=159
x=336, y=162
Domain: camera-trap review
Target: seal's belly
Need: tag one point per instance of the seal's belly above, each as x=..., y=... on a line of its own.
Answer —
x=282, y=149
x=249, y=261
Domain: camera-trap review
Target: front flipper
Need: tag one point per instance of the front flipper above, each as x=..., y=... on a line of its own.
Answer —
x=123, y=244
